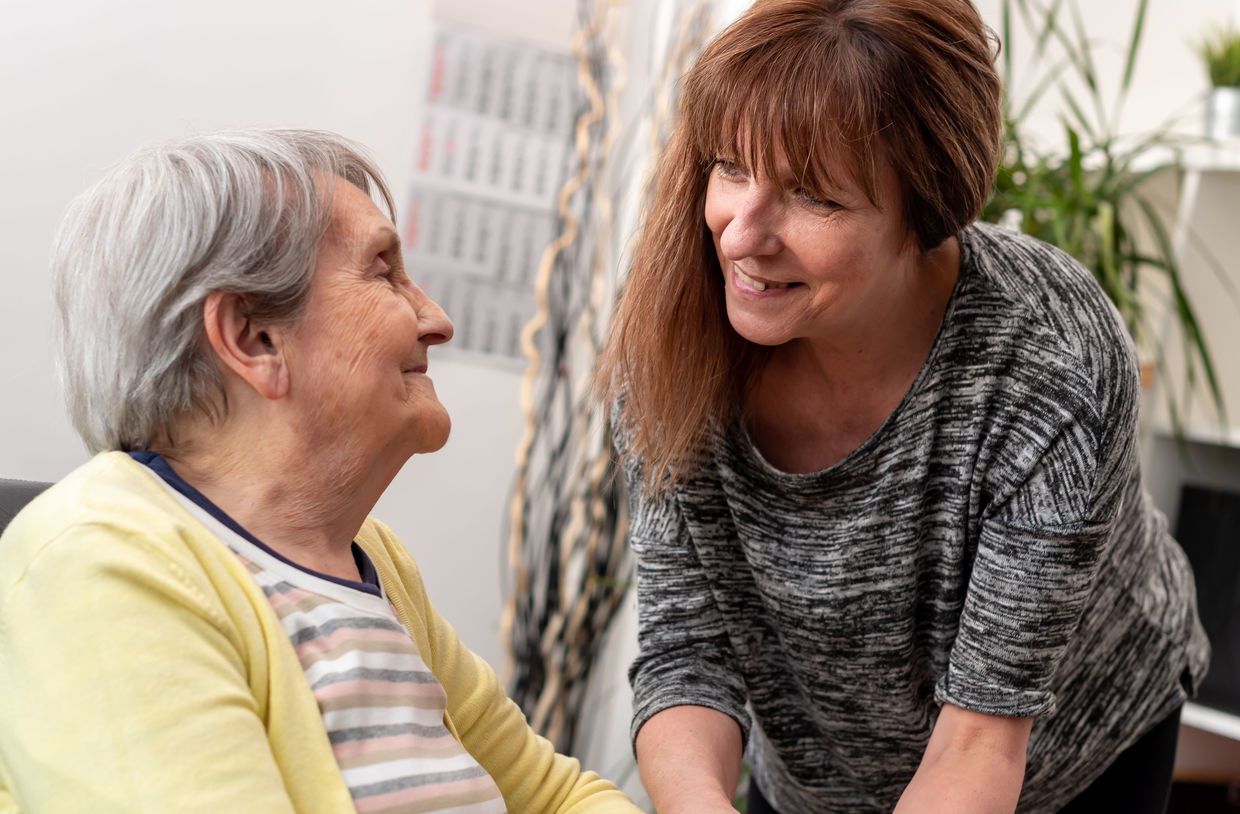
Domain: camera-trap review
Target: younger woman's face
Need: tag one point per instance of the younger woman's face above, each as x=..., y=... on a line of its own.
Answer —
x=804, y=265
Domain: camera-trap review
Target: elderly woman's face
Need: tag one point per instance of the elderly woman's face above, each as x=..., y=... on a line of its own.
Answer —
x=798, y=265
x=359, y=353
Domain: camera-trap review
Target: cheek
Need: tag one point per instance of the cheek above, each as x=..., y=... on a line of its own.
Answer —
x=837, y=265
x=350, y=344
x=363, y=353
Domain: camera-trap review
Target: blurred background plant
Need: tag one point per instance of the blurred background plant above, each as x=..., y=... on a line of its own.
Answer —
x=1220, y=51
x=1091, y=196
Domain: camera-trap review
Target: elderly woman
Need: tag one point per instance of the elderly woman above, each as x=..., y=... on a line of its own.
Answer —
x=203, y=618
x=889, y=520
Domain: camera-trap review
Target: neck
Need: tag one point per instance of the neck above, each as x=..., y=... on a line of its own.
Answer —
x=307, y=507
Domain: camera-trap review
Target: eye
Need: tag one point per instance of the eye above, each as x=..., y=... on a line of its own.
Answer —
x=813, y=200
x=379, y=267
x=387, y=268
x=729, y=170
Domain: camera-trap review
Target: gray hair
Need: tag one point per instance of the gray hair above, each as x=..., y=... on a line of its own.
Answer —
x=138, y=253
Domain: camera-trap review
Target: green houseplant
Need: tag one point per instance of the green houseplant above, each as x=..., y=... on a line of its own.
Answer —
x=1220, y=52
x=1091, y=197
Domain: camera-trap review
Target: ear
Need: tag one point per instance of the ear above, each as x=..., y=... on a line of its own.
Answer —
x=247, y=348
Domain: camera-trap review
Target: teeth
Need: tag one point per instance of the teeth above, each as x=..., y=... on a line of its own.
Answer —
x=758, y=285
x=749, y=281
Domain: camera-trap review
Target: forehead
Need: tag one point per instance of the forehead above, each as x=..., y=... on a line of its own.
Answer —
x=356, y=222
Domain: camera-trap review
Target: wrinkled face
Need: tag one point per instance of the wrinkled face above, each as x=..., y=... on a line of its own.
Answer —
x=801, y=264
x=358, y=356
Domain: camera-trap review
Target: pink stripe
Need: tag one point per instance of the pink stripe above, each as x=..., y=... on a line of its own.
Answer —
x=476, y=785
x=294, y=597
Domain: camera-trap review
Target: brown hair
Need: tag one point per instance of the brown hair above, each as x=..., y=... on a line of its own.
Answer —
x=828, y=86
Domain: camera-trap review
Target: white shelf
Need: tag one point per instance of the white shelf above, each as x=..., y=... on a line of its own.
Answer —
x=1211, y=434
x=1212, y=157
x=1212, y=720
x=1202, y=157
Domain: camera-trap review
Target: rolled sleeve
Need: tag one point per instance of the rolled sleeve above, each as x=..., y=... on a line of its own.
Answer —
x=1024, y=603
x=1037, y=561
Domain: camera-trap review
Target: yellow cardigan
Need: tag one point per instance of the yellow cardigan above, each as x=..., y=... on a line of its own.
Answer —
x=143, y=670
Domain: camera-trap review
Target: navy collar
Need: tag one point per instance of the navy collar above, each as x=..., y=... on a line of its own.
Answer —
x=160, y=466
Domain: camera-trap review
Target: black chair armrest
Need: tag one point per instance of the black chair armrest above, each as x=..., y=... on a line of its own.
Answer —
x=14, y=495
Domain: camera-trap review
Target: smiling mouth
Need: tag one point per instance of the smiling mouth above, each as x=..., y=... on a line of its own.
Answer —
x=759, y=285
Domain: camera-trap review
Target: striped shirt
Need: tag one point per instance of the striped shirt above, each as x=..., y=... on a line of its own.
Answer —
x=382, y=707
x=990, y=546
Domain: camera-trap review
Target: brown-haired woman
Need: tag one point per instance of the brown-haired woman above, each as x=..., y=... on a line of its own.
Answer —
x=886, y=501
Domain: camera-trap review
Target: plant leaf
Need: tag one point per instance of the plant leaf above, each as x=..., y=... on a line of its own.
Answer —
x=1048, y=80
x=1088, y=73
x=1077, y=113
x=1005, y=17
x=1134, y=45
x=1194, y=340
x=1048, y=26
x=1076, y=159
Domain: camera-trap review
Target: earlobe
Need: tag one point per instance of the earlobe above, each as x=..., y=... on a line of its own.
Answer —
x=245, y=348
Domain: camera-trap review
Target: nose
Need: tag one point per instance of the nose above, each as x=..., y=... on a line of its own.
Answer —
x=434, y=327
x=752, y=230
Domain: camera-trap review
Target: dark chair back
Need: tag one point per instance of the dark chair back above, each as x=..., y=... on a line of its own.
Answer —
x=14, y=495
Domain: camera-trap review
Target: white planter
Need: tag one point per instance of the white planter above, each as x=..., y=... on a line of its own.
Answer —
x=1223, y=114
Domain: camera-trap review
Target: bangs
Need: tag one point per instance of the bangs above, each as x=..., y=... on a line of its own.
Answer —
x=800, y=99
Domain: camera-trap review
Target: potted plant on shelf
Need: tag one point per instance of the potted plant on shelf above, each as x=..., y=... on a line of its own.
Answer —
x=1091, y=197
x=1220, y=51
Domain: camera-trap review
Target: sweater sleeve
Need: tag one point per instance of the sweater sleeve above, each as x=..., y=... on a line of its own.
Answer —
x=530, y=774
x=1040, y=545
x=121, y=689
x=684, y=655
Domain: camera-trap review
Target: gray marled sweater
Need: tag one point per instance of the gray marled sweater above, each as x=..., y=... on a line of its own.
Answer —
x=990, y=546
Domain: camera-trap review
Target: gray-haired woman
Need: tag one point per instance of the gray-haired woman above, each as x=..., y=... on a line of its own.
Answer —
x=203, y=617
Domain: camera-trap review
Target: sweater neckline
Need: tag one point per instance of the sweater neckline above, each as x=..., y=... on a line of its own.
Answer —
x=750, y=452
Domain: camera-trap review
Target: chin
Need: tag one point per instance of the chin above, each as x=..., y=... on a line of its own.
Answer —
x=432, y=433
x=758, y=331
